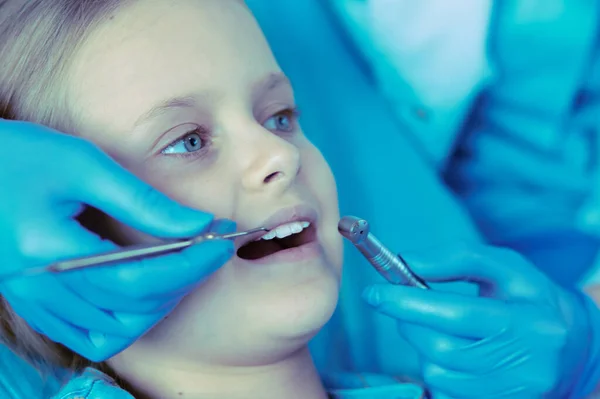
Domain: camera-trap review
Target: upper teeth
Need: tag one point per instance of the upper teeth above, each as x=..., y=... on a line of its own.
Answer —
x=286, y=230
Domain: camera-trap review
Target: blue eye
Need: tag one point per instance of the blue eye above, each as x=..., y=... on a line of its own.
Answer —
x=283, y=121
x=191, y=142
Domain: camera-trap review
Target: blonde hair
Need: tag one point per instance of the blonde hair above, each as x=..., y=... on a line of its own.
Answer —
x=38, y=38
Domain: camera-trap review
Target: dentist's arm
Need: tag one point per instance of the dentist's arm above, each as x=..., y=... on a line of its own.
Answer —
x=521, y=337
x=46, y=180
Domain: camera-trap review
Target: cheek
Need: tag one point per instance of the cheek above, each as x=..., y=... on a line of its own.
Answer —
x=187, y=183
x=324, y=187
x=320, y=179
x=210, y=190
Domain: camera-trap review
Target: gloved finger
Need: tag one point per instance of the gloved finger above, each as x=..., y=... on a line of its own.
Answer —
x=120, y=194
x=135, y=324
x=501, y=273
x=98, y=340
x=441, y=349
x=464, y=385
x=58, y=240
x=77, y=340
x=102, y=347
x=49, y=293
x=454, y=314
x=481, y=356
x=163, y=275
x=110, y=301
x=107, y=299
x=109, y=346
x=497, y=357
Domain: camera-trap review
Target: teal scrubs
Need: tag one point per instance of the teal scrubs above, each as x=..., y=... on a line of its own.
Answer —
x=394, y=141
x=503, y=99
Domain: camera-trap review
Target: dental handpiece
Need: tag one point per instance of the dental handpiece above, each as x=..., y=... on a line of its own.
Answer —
x=391, y=266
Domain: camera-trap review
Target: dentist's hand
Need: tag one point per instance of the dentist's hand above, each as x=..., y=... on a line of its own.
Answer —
x=46, y=180
x=522, y=337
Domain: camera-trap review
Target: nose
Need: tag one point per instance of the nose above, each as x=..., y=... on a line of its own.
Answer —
x=273, y=163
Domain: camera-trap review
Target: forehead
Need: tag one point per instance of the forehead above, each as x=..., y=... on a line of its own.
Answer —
x=153, y=50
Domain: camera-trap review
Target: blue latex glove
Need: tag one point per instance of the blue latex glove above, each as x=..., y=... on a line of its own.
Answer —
x=46, y=179
x=522, y=337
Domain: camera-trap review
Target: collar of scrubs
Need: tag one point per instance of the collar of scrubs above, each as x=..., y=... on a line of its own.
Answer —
x=429, y=58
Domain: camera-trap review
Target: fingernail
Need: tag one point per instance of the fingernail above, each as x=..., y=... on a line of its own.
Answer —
x=228, y=247
x=371, y=296
x=98, y=339
x=230, y=252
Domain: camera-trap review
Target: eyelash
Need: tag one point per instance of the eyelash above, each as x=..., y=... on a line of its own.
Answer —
x=293, y=113
x=204, y=135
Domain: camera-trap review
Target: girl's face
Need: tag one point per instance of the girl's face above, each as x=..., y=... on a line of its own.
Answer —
x=188, y=96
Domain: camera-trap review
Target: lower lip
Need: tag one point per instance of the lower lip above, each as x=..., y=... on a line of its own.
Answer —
x=302, y=253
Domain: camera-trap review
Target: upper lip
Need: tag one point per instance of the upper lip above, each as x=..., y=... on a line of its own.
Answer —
x=298, y=213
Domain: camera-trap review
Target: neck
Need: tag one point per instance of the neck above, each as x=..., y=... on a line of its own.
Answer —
x=292, y=378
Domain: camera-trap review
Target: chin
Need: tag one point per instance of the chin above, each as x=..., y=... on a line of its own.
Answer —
x=253, y=313
x=261, y=326
x=304, y=309
x=287, y=325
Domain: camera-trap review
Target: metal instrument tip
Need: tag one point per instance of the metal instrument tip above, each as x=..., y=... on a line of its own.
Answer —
x=243, y=233
x=353, y=228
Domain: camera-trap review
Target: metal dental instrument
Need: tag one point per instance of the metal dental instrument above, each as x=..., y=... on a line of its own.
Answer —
x=391, y=266
x=128, y=253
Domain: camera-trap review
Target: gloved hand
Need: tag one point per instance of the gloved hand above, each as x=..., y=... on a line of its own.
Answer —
x=521, y=337
x=46, y=178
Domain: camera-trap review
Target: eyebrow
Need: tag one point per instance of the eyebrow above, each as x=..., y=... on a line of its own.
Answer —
x=269, y=83
x=262, y=87
x=166, y=106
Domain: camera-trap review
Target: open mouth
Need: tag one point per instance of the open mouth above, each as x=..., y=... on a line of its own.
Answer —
x=287, y=236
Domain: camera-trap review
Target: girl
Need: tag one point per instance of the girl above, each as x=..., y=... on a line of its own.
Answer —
x=188, y=96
